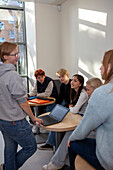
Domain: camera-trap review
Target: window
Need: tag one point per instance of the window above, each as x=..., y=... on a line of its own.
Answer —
x=12, y=29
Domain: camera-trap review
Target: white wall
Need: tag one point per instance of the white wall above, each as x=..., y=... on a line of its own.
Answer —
x=75, y=38
x=48, y=38
x=87, y=32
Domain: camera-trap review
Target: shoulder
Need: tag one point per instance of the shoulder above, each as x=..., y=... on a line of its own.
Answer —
x=83, y=92
x=13, y=75
x=69, y=84
x=48, y=78
x=84, y=95
x=69, y=81
x=102, y=90
x=100, y=95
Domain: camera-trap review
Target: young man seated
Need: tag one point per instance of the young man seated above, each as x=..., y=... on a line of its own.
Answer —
x=63, y=99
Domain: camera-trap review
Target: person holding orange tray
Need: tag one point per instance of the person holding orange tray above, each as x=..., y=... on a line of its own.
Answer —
x=44, y=86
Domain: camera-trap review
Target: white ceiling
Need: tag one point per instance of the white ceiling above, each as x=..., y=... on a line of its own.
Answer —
x=52, y=2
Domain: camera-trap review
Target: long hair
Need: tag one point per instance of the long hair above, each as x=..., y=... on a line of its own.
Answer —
x=6, y=48
x=73, y=94
x=108, y=61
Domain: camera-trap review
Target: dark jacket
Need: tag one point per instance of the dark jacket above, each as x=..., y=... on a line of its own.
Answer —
x=64, y=94
x=42, y=87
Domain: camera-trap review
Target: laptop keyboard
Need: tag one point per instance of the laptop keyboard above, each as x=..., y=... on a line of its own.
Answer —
x=48, y=119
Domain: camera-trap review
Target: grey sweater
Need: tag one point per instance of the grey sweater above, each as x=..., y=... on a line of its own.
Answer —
x=12, y=93
x=99, y=117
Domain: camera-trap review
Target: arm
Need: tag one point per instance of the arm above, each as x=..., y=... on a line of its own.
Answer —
x=25, y=106
x=48, y=90
x=34, y=90
x=92, y=118
x=82, y=99
x=19, y=94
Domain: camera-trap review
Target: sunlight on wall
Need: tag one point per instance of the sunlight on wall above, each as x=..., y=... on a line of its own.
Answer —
x=92, y=16
x=96, y=67
x=82, y=65
x=86, y=67
x=91, y=31
x=91, y=27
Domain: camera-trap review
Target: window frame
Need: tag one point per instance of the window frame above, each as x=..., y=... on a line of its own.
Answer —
x=24, y=43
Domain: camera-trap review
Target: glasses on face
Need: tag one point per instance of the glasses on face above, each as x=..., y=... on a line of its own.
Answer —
x=16, y=55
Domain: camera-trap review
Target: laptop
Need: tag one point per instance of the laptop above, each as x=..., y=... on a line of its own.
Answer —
x=55, y=116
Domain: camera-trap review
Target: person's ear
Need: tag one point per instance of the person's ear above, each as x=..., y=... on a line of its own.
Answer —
x=67, y=75
x=5, y=57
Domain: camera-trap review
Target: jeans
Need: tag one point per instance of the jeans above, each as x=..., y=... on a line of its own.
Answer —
x=86, y=149
x=51, y=140
x=59, y=158
x=14, y=133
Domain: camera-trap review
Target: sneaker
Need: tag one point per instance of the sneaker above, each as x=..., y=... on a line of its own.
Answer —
x=45, y=147
x=51, y=166
x=35, y=129
x=1, y=166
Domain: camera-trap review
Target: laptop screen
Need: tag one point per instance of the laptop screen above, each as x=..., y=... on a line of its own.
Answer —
x=59, y=112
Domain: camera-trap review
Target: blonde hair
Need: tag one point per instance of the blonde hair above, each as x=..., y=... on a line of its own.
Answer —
x=94, y=83
x=6, y=48
x=62, y=72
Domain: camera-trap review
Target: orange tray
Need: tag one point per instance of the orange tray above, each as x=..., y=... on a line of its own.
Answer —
x=39, y=101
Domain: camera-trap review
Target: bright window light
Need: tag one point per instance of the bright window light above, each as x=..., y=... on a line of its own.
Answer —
x=91, y=31
x=93, y=16
x=95, y=67
x=82, y=65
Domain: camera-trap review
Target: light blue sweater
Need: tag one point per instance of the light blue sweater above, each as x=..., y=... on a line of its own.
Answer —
x=99, y=117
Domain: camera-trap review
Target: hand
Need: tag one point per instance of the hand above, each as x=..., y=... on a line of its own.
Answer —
x=71, y=105
x=68, y=143
x=39, y=121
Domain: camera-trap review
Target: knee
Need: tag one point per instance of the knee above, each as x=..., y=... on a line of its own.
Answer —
x=31, y=150
x=34, y=148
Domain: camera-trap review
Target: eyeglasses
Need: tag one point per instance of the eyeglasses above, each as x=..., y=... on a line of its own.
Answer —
x=16, y=55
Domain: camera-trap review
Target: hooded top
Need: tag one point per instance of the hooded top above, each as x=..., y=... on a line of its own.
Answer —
x=12, y=93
